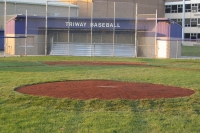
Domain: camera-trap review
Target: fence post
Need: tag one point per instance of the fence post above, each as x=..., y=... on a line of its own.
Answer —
x=114, y=33
x=46, y=28
x=156, y=26
x=136, y=30
x=176, y=49
x=69, y=12
x=91, y=25
x=51, y=42
x=26, y=35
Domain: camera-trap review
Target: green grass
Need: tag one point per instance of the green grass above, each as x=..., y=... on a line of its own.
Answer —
x=29, y=114
x=190, y=50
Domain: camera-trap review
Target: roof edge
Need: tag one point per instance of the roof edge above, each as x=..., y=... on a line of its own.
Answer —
x=37, y=3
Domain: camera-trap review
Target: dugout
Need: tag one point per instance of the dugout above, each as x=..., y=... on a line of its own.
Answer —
x=72, y=36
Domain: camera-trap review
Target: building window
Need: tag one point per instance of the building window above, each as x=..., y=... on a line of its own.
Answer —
x=199, y=7
x=180, y=8
x=187, y=7
x=198, y=21
x=179, y=21
x=198, y=35
x=194, y=7
x=174, y=9
x=194, y=22
x=187, y=35
x=193, y=36
x=187, y=22
x=175, y=20
x=167, y=9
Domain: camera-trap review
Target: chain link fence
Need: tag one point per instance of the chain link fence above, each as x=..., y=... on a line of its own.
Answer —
x=96, y=32
x=102, y=29
x=107, y=34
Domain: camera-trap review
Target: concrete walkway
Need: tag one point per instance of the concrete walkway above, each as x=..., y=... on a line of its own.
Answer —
x=2, y=54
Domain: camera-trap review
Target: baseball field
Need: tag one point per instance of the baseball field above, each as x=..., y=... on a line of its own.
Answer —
x=168, y=103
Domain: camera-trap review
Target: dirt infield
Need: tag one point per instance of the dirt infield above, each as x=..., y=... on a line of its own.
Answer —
x=95, y=63
x=104, y=89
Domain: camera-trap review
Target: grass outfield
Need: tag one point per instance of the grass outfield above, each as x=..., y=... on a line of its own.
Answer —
x=190, y=50
x=31, y=114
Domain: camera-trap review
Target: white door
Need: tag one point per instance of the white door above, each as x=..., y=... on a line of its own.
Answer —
x=162, y=49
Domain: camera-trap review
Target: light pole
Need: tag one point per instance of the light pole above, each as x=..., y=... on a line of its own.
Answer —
x=46, y=26
x=183, y=21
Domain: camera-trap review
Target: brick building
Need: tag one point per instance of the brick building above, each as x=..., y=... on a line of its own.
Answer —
x=124, y=8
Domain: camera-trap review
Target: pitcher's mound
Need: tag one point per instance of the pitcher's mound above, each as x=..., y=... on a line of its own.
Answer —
x=104, y=89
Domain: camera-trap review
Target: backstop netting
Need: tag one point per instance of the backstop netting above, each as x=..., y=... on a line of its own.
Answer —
x=98, y=31
x=105, y=29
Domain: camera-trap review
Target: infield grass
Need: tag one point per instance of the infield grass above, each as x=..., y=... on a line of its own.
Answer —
x=21, y=113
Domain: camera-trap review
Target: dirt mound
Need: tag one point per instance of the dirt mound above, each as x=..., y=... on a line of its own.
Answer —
x=104, y=89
